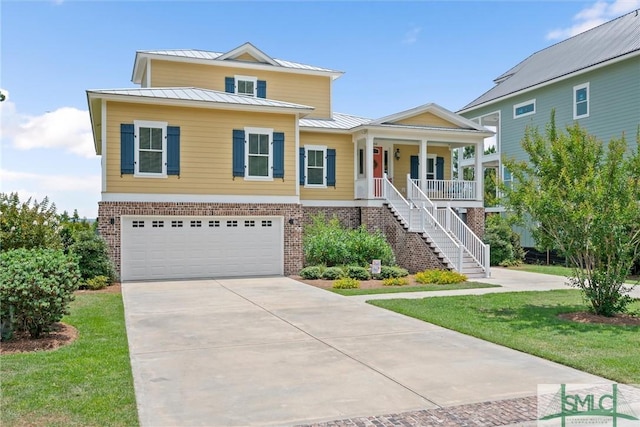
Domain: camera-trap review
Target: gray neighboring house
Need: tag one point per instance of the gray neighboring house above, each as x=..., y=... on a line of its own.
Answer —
x=592, y=78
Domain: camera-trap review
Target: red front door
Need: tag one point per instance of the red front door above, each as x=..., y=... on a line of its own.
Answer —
x=378, y=167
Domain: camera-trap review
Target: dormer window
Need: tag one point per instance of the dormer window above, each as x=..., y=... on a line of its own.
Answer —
x=246, y=85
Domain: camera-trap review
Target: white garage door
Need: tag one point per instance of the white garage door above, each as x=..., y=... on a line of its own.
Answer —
x=197, y=247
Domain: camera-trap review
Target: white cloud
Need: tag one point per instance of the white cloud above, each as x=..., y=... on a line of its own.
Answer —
x=50, y=183
x=411, y=36
x=66, y=128
x=594, y=15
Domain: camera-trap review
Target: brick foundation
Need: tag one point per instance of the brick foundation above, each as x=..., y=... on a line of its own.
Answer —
x=113, y=211
x=349, y=217
x=371, y=218
x=475, y=221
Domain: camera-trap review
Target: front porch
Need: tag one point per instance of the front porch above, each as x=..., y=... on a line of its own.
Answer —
x=438, y=190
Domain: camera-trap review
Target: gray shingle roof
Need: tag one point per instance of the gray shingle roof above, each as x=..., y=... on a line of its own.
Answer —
x=608, y=41
x=197, y=94
x=339, y=121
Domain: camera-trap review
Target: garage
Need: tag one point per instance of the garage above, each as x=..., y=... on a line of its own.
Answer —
x=171, y=247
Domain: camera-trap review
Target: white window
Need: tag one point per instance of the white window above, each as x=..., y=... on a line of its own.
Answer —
x=581, y=101
x=315, y=165
x=431, y=167
x=150, y=148
x=526, y=108
x=246, y=85
x=258, y=153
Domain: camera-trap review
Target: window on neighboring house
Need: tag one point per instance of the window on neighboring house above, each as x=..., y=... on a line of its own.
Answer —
x=524, y=109
x=150, y=148
x=315, y=165
x=259, y=154
x=581, y=101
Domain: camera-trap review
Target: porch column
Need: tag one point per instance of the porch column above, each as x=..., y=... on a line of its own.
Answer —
x=369, y=165
x=423, y=165
x=479, y=172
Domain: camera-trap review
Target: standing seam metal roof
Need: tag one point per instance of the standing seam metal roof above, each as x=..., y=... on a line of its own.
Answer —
x=610, y=40
x=339, y=121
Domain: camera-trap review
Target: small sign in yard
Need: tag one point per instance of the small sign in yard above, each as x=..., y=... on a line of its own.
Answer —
x=376, y=265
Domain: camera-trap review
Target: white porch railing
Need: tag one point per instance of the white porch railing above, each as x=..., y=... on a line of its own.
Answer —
x=447, y=189
x=454, y=225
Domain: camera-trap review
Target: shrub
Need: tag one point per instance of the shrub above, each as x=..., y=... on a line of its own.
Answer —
x=93, y=256
x=505, y=243
x=96, y=283
x=36, y=287
x=311, y=273
x=364, y=246
x=395, y=281
x=357, y=272
x=440, y=277
x=27, y=224
x=388, y=272
x=346, y=283
x=324, y=242
x=332, y=273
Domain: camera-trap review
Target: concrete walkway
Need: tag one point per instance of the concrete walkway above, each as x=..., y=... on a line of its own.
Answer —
x=273, y=351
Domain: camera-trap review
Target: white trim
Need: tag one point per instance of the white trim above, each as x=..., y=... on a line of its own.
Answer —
x=252, y=79
x=575, y=101
x=523, y=104
x=322, y=148
x=434, y=109
x=148, y=75
x=342, y=203
x=258, y=131
x=297, y=155
x=103, y=149
x=196, y=198
x=249, y=49
x=136, y=147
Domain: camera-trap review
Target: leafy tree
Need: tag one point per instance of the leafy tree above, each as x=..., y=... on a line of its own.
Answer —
x=584, y=200
x=505, y=243
x=27, y=224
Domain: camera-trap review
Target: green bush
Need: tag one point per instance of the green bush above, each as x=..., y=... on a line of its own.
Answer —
x=357, y=272
x=364, y=246
x=346, y=283
x=440, y=277
x=27, y=224
x=332, y=273
x=388, y=272
x=36, y=287
x=96, y=283
x=313, y=272
x=395, y=281
x=505, y=243
x=93, y=256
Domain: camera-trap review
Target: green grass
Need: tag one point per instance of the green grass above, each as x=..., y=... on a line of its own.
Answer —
x=87, y=383
x=420, y=288
x=527, y=321
x=558, y=270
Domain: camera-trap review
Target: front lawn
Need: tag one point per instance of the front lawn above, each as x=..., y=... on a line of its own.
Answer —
x=87, y=383
x=416, y=288
x=527, y=321
x=559, y=270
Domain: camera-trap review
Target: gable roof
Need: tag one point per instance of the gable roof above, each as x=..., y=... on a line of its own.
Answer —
x=264, y=61
x=611, y=41
x=431, y=108
x=340, y=121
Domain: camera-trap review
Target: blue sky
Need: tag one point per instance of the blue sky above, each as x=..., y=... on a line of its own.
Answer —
x=396, y=55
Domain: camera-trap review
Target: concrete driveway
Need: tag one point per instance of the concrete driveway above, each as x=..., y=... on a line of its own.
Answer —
x=273, y=351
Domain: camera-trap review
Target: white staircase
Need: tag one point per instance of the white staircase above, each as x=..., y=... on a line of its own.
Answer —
x=442, y=229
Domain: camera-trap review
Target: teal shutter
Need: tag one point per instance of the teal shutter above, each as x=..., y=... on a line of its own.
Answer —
x=439, y=167
x=331, y=167
x=238, y=152
x=262, y=89
x=230, y=84
x=173, y=150
x=127, y=162
x=278, y=155
x=301, y=166
x=414, y=167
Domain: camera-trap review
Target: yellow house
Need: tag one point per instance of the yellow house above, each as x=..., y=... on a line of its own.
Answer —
x=215, y=163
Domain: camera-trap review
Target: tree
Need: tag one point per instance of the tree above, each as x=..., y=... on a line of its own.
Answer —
x=583, y=199
x=27, y=224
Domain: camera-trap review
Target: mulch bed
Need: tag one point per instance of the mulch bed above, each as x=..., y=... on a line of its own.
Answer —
x=586, y=317
x=364, y=284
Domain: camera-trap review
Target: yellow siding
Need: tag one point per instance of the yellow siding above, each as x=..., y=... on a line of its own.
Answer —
x=344, y=166
x=402, y=167
x=314, y=91
x=205, y=151
x=427, y=119
x=246, y=57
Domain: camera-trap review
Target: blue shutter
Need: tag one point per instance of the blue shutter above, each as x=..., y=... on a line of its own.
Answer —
x=262, y=89
x=331, y=167
x=127, y=149
x=230, y=84
x=439, y=167
x=414, y=167
x=238, y=152
x=278, y=155
x=173, y=150
x=302, y=166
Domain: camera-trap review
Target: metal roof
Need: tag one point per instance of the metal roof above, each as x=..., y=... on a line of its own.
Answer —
x=340, y=121
x=202, y=54
x=608, y=41
x=202, y=95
